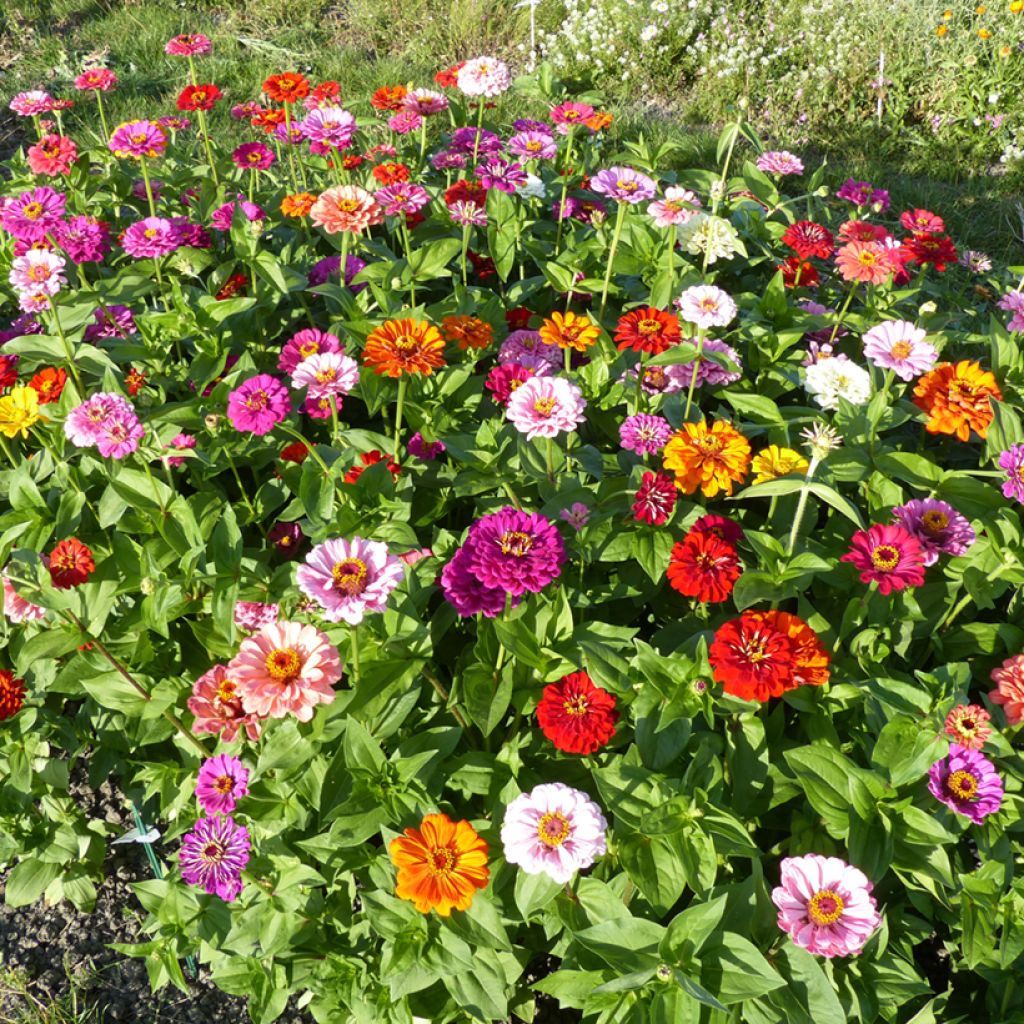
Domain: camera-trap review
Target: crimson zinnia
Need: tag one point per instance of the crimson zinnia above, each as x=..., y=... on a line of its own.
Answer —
x=70, y=564
x=577, y=716
x=808, y=239
x=704, y=566
x=648, y=330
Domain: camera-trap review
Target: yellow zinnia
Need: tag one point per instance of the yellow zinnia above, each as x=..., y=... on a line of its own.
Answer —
x=774, y=462
x=570, y=330
x=18, y=411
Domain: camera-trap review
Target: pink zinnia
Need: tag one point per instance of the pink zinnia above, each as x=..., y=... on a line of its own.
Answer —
x=865, y=261
x=188, y=45
x=330, y=126
x=52, y=155
x=39, y=270
x=286, y=668
x=181, y=443
x=899, y=345
x=349, y=578
x=398, y=200
x=825, y=905
x=222, y=781
x=345, y=208
x=424, y=102
x=888, y=555
x=82, y=425
x=546, y=407
x=1009, y=691
x=326, y=373
x=655, y=499
x=120, y=433
x=32, y=103
x=253, y=615
x=780, y=161
x=150, y=238
x=259, y=404
x=96, y=80
x=967, y=724
x=16, y=608
x=678, y=206
x=138, y=139
x=705, y=305
x=567, y=116
x=303, y=344
x=644, y=434
x=484, y=76
x=218, y=708
x=922, y=221
x=221, y=219
x=253, y=155
x=405, y=122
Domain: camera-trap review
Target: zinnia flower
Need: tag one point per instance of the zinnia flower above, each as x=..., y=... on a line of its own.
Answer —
x=1009, y=691
x=326, y=373
x=253, y=615
x=345, y=208
x=546, y=407
x=404, y=346
x=1012, y=461
x=188, y=45
x=825, y=905
x=705, y=567
x=52, y=155
x=899, y=346
x=286, y=668
x=712, y=458
x=807, y=239
x=773, y=462
x=647, y=330
x=16, y=608
x=255, y=156
x=150, y=238
x=218, y=708
x=33, y=214
x=644, y=434
x=287, y=87
x=484, y=76
x=655, y=499
x=96, y=80
x=967, y=782
x=12, y=694
x=938, y=527
x=706, y=306
x=764, y=654
x=199, y=97
x=577, y=716
x=678, y=207
x=957, y=398
x=889, y=555
x=440, y=865
x=38, y=270
x=138, y=139
x=463, y=590
x=553, y=830
x=222, y=781
x=830, y=380
x=330, y=126
x=869, y=262
x=569, y=330
x=967, y=724
x=467, y=331
x=213, y=856
x=624, y=185
x=70, y=564
x=259, y=404
x=779, y=161
x=19, y=411
x=515, y=551
x=349, y=578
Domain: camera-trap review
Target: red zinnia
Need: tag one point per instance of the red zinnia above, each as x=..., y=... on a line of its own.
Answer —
x=647, y=330
x=935, y=249
x=448, y=78
x=577, y=716
x=370, y=459
x=390, y=173
x=798, y=273
x=483, y=266
x=48, y=384
x=655, y=498
x=720, y=526
x=286, y=88
x=12, y=692
x=467, y=192
x=232, y=286
x=8, y=371
x=889, y=555
x=329, y=90
x=134, y=381
x=518, y=319
x=296, y=452
x=268, y=119
x=807, y=239
x=199, y=97
x=70, y=564
x=705, y=567
x=861, y=231
x=923, y=220
x=389, y=97
x=350, y=161
x=751, y=658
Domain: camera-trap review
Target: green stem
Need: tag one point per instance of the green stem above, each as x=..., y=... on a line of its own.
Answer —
x=103, y=115
x=404, y=230
x=446, y=699
x=640, y=382
x=479, y=129
x=800, y=506
x=549, y=455
x=842, y=313
x=947, y=620
x=206, y=144
x=148, y=184
x=68, y=351
x=465, y=249
x=241, y=487
x=312, y=450
x=355, y=654
x=701, y=334
x=620, y=216
x=565, y=188
x=8, y=453
x=398, y=413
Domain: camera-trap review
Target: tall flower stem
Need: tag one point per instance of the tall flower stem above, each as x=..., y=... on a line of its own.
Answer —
x=801, y=505
x=203, y=128
x=402, y=383
x=148, y=184
x=842, y=313
x=355, y=654
x=407, y=241
x=549, y=456
x=465, y=249
x=103, y=115
x=288, y=144
x=640, y=382
x=701, y=334
x=565, y=188
x=68, y=351
x=446, y=699
x=479, y=130
x=620, y=215
x=423, y=142
x=241, y=487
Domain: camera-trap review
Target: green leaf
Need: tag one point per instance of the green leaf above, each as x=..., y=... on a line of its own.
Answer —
x=627, y=944
x=655, y=864
x=534, y=892
x=487, y=699
x=28, y=880
x=690, y=929
x=906, y=749
x=736, y=970
x=809, y=988
x=832, y=784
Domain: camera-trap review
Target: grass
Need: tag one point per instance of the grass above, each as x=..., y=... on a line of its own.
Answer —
x=367, y=43
x=20, y=1005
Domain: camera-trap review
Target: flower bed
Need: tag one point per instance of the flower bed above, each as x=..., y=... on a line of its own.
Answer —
x=504, y=571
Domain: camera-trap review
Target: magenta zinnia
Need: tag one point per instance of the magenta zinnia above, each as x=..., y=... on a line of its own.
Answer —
x=213, y=856
x=515, y=551
x=259, y=404
x=222, y=781
x=888, y=555
x=967, y=782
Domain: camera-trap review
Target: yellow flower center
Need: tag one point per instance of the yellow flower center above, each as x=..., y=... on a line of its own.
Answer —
x=441, y=861
x=648, y=326
x=224, y=784
x=150, y=232
x=825, y=907
x=544, y=406
x=626, y=186
x=885, y=557
x=350, y=576
x=576, y=706
x=348, y=205
x=533, y=146
x=901, y=350
x=309, y=348
x=867, y=258
x=32, y=210
x=934, y=521
x=226, y=691
x=553, y=829
x=962, y=785
x=515, y=542
x=283, y=664
x=212, y=853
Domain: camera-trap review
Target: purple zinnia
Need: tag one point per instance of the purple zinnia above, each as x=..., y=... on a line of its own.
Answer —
x=424, y=450
x=330, y=126
x=938, y=527
x=330, y=266
x=464, y=591
x=398, y=200
x=194, y=236
x=308, y=342
x=464, y=140
x=501, y=174
x=259, y=404
x=708, y=371
x=253, y=155
x=445, y=160
x=644, y=434
x=151, y=237
x=113, y=322
x=467, y=214
x=533, y=145
x=1012, y=460
x=84, y=239
x=33, y=215
x=967, y=782
x=624, y=185
x=222, y=780
x=516, y=551
x=223, y=215
x=287, y=538
x=213, y=856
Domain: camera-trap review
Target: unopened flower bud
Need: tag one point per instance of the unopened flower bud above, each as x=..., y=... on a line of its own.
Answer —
x=212, y=422
x=147, y=586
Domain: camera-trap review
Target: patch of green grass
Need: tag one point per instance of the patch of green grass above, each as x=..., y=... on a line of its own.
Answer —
x=19, y=1004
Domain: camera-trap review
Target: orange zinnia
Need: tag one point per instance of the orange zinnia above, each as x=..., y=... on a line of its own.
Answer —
x=467, y=331
x=810, y=659
x=440, y=865
x=297, y=205
x=957, y=397
x=709, y=457
x=286, y=88
x=570, y=330
x=648, y=330
x=389, y=97
x=598, y=121
x=404, y=346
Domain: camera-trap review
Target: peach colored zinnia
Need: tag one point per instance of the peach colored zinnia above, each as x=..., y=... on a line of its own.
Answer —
x=864, y=261
x=345, y=208
x=1009, y=691
x=286, y=668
